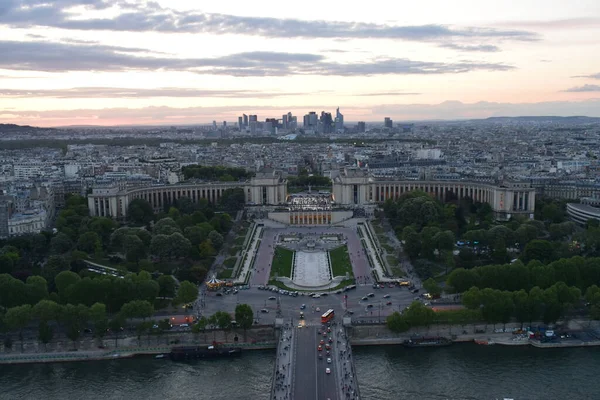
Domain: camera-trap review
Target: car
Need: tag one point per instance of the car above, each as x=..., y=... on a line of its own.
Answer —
x=339, y=291
x=328, y=353
x=327, y=347
x=184, y=325
x=264, y=310
x=322, y=342
x=391, y=285
x=261, y=287
x=329, y=361
x=329, y=330
x=324, y=334
x=320, y=356
x=219, y=294
x=155, y=326
x=301, y=315
x=324, y=294
x=316, y=296
x=272, y=298
x=389, y=303
x=327, y=370
x=317, y=309
x=369, y=305
x=382, y=286
x=371, y=295
x=415, y=291
x=330, y=340
x=365, y=298
x=375, y=286
x=387, y=296
x=303, y=306
x=299, y=325
x=87, y=330
x=349, y=312
x=320, y=348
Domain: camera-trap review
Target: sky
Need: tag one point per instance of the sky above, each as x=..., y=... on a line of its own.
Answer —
x=176, y=62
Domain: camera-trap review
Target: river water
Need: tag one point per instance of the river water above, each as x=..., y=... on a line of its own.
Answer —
x=461, y=371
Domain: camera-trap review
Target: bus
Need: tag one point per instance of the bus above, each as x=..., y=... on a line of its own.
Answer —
x=328, y=316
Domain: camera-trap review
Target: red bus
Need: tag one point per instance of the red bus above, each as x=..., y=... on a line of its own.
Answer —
x=328, y=316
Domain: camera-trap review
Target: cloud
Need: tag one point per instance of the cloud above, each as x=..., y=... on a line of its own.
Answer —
x=565, y=23
x=488, y=48
x=387, y=94
x=449, y=110
x=592, y=76
x=112, y=92
x=55, y=57
x=150, y=16
x=584, y=88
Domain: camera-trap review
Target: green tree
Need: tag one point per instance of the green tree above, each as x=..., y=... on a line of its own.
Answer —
x=54, y=266
x=134, y=248
x=541, y=250
x=412, y=242
x=89, y=242
x=216, y=239
x=462, y=279
x=140, y=211
x=74, y=319
x=60, y=244
x=244, y=316
x=397, y=323
x=432, y=287
x=18, y=318
x=166, y=226
x=47, y=310
x=99, y=318
x=45, y=333
x=187, y=293
x=64, y=280
x=223, y=320
x=417, y=314
x=167, y=286
x=37, y=289
x=206, y=249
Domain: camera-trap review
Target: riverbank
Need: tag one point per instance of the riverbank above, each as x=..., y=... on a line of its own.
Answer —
x=103, y=355
x=379, y=334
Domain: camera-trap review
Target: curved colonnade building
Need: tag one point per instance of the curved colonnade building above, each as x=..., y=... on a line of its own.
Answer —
x=352, y=188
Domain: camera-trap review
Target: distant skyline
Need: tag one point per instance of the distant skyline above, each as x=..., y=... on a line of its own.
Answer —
x=129, y=62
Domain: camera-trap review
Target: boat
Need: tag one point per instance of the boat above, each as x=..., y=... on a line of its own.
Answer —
x=197, y=352
x=159, y=356
x=484, y=342
x=433, y=341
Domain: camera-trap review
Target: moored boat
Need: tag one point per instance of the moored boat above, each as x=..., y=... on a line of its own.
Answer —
x=433, y=341
x=197, y=352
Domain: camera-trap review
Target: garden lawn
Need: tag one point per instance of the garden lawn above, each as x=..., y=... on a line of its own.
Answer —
x=282, y=262
x=340, y=262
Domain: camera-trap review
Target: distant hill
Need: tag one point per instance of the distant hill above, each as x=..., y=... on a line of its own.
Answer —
x=12, y=129
x=549, y=118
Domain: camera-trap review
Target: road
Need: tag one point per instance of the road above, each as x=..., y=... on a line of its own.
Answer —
x=311, y=381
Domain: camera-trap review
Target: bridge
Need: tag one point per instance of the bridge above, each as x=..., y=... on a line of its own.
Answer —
x=303, y=372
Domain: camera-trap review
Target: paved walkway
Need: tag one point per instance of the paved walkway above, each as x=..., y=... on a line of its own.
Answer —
x=311, y=268
x=284, y=374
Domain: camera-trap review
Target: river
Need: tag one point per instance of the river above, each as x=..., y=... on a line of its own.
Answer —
x=461, y=371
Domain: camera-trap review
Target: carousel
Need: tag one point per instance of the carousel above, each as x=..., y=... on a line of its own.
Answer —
x=214, y=283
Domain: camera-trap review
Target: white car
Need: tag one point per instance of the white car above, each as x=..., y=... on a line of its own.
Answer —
x=327, y=370
x=329, y=361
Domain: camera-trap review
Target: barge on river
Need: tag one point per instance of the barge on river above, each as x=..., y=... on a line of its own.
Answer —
x=198, y=352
